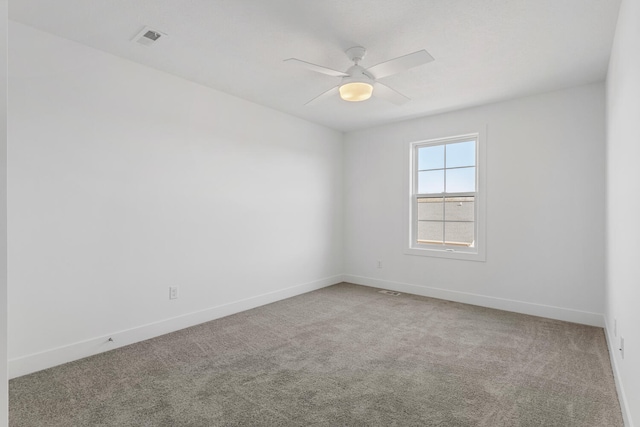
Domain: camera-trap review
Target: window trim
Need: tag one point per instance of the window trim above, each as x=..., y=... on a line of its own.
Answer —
x=476, y=253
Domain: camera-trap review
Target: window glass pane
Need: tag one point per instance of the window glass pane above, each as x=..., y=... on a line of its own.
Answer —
x=461, y=180
x=442, y=171
x=461, y=154
x=430, y=208
x=459, y=233
x=431, y=182
x=458, y=209
x=430, y=232
x=431, y=157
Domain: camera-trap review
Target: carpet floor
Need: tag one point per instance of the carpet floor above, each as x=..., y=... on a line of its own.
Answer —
x=345, y=355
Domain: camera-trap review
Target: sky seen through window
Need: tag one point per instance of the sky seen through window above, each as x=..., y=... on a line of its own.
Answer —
x=447, y=168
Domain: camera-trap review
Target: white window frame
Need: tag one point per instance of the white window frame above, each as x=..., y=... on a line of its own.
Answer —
x=412, y=247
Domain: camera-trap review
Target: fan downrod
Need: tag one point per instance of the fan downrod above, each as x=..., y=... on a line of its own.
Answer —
x=356, y=53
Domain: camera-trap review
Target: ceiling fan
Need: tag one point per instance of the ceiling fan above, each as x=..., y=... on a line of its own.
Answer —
x=358, y=83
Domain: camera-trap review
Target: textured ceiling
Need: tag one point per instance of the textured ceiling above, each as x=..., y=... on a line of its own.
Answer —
x=484, y=50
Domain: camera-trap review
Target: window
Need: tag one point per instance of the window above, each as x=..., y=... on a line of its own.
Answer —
x=445, y=198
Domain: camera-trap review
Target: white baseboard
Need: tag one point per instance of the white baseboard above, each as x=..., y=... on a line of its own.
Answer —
x=613, y=350
x=35, y=362
x=551, y=312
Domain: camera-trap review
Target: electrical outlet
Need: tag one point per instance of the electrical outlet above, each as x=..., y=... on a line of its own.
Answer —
x=622, y=346
x=379, y=264
x=173, y=292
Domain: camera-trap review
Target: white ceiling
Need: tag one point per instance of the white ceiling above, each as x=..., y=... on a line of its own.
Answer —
x=484, y=50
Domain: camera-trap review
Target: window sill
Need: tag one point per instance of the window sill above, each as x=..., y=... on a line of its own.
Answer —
x=444, y=253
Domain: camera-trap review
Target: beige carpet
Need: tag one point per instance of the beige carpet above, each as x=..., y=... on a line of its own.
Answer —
x=345, y=355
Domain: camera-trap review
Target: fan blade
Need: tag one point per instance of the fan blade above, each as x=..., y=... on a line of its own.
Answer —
x=388, y=94
x=324, y=95
x=317, y=68
x=399, y=64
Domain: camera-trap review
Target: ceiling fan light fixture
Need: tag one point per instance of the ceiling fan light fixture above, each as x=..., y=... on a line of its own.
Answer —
x=356, y=91
x=357, y=82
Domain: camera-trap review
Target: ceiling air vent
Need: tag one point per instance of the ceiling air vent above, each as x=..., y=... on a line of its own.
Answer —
x=148, y=36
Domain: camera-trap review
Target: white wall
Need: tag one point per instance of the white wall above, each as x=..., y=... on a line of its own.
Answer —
x=545, y=207
x=3, y=214
x=623, y=205
x=124, y=181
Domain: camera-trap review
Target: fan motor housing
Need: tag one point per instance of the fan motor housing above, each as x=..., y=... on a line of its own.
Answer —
x=357, y=74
